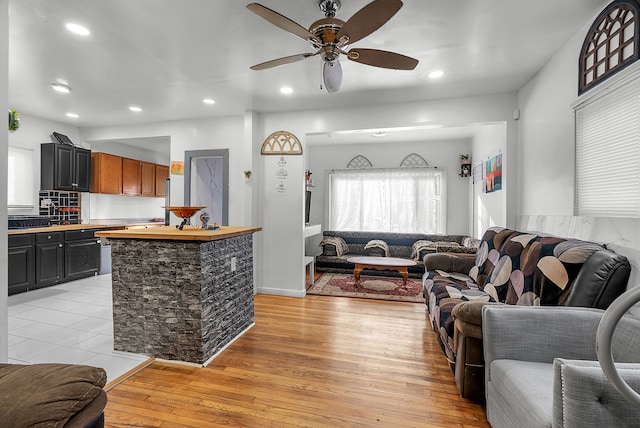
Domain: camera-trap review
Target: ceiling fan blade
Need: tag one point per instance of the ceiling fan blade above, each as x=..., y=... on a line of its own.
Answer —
x=280, y=21
x=384, y=59
x=369, y=19
x=282, y=61
x=332, y=75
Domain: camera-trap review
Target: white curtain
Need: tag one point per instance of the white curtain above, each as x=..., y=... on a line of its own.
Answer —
x=410, y=200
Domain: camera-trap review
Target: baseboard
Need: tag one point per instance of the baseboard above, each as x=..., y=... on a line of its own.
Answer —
x=282, y=292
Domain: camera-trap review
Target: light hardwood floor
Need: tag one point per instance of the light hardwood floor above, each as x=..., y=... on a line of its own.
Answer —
x=313, y=362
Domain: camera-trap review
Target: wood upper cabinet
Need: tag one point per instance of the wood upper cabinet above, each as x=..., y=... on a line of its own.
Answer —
x=147, y=179
x=106, y=173
x=162, y=173
x=124, y=176
x=131, y=176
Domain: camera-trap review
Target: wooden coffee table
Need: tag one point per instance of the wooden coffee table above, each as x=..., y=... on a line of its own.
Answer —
x=381, y=263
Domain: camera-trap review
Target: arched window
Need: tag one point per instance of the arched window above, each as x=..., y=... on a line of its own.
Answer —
x=611, y=43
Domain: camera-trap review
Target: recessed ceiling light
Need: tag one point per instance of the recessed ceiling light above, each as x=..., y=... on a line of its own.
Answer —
x=286, y=90
x=77, y=29
x=73, y=115
x=379, y=134
x=61, y=87
x=436, y=74
x=135, y=108
x=208, y=101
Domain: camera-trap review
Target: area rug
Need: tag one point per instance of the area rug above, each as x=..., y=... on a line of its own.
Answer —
x=369, y=287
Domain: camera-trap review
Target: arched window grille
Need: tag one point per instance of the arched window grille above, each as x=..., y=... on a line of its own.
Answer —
x=611, y=43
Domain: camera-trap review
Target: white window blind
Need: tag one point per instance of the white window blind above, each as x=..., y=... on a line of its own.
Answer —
x=608, y=153
x=21, y=192
x=411, y=200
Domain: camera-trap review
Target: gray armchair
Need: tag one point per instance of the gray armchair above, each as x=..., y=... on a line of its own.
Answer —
x=542, y=370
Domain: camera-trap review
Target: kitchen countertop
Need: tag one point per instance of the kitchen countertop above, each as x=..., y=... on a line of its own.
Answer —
x=57, y=228
x=171, y=233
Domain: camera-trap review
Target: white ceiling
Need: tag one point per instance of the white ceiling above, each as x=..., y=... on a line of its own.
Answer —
x=166, y=55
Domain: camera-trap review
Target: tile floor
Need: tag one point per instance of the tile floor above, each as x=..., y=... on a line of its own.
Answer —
x=68, y=323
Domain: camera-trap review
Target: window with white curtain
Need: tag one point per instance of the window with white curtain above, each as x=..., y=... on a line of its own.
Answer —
x=21, y=192
x=608, y=152
x=411, y=200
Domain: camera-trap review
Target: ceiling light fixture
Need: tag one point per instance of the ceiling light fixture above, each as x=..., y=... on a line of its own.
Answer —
x=135, y=108
x=77, y=29
x=436, y=74
x=286, y=90
x=73, y=115
x=208, y=101
x=61, y=87
x=379, y=134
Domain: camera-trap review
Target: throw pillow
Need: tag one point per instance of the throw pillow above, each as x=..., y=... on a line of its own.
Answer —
x=334, y=246
x=377, y=244
x=421, y=246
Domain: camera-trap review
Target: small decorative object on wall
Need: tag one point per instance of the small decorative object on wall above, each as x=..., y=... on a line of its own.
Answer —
x=477, y=172
x=282, y=174
x=281, y=143
x=14, y=120
x=177, y=167
x=465, y=166
x=413, y=160
x=493, y=168
x=247, y=175
x=359, y=162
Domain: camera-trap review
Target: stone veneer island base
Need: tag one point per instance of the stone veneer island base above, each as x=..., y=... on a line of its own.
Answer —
x=175, y=294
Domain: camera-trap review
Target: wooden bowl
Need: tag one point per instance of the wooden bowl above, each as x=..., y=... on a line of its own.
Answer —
x=184, y=212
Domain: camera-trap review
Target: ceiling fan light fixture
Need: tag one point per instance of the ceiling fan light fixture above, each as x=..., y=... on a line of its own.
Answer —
x=61, y=87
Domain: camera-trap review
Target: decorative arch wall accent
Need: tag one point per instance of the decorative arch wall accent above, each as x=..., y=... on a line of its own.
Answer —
x=611, y=44
x=359, y=162
x=281, y=143
x=413, y=160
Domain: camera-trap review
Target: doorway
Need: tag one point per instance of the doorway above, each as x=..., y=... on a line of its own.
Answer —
x=207, y=182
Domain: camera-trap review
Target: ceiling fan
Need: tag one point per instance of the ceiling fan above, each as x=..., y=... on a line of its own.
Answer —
x=331, y=37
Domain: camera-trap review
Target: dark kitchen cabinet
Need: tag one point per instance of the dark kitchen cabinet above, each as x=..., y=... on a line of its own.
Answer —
x=82, y=254
x=21, y=263
x=64, y=167
x=49, y=258
x=46, y=258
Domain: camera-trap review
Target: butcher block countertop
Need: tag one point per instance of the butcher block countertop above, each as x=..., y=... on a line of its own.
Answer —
x=57, y=228
x=171, y=233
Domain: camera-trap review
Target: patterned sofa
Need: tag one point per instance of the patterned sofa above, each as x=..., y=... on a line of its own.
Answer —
x=337, y=247
x=513, y=268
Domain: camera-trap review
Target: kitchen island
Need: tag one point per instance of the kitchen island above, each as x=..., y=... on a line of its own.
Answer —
x=181, y=294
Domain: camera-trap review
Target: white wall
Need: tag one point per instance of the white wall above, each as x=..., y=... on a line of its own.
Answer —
x=4, y=93
x=490, y=209
x=546, y=161
x=33, y=132
x=283, y=217
x=389, y=154
x=279, y=248
x=102, y=206
x=200, y=134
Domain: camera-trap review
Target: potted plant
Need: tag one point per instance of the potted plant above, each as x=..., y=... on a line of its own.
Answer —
x=247, y=175
x=14, y=120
